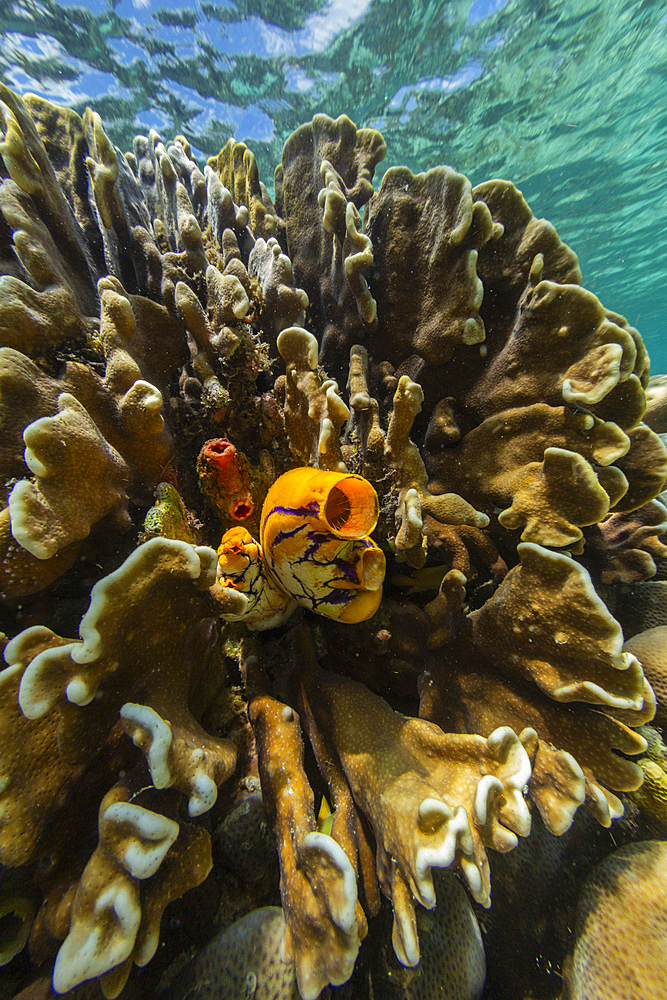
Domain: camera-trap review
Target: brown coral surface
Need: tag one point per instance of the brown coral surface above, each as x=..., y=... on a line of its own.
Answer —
x=621, y=931
x=154, y=311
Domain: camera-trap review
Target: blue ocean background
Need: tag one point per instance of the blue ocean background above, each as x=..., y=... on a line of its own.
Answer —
x=567, y=98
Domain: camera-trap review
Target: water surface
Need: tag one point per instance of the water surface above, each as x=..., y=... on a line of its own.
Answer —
x=564, y=97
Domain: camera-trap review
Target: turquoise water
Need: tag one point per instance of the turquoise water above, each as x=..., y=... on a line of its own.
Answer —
x=564, y=97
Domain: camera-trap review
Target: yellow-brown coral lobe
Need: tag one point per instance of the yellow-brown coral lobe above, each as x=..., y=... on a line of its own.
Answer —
x=440, y=794
x=61, y=683
x=435, y=377
x=315, y=531
x=318, y=889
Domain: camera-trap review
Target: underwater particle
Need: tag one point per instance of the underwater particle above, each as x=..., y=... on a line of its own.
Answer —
x=621, y=928
x=224, y=478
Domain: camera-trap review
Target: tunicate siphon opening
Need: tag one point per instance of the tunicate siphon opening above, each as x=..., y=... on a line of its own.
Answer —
x=242, y=510
x=219, y=447
x=351, y=508
x=373, y=569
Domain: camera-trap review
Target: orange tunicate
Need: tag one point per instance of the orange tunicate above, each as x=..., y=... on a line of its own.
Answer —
x=240, y=566
x=224, y=479
x=315, y=529
x=315, y=551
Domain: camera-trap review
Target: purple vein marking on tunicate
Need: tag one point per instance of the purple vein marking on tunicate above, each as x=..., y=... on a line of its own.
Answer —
x=254, y=585
x=311, y=509
x=306, y=591
x=347, y=569
x=332, y=596
x=316, y=539
x=336, y=597
x=248, y=582
x=349, y=572
x=280, y=537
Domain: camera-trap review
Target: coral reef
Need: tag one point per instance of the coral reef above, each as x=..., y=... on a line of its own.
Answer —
x=651, y=797
x=452, y=960
x=243, y=961
x=656, y=403
x=620, y=936
x=627, y=547
x=650, y=648
x=312, y=525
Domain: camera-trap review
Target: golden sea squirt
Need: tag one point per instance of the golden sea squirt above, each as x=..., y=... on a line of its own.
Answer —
x=315, y=530
x=315, y=551
x=241, y=568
